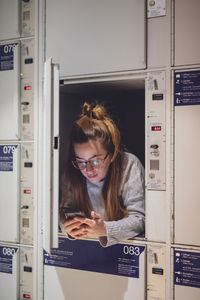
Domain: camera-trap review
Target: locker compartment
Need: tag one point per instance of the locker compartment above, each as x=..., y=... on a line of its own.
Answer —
x=125, y=102
x=96, y=36
x=117, y=95
x=9, y=192
x=85, y=270
x=9, y=272
x=9, y=19
x=9, y=91
x=187, y=42
x=187, y=165
x=186, y=274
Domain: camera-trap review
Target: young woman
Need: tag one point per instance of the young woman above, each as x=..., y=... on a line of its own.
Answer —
x=102, y=181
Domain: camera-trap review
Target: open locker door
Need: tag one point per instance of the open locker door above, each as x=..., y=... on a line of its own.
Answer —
x=51, y=156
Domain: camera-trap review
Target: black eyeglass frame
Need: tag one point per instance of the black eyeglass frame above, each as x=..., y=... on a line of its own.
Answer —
x=90, y=162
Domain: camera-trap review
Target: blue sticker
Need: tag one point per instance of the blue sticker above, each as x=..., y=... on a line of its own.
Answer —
x=6, y=157
x=187, y=88
x=6, y=259
x=187, y=268
x=7, y=57
x=120, y=259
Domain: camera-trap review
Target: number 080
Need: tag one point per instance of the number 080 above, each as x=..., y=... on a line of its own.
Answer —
x=8, y=251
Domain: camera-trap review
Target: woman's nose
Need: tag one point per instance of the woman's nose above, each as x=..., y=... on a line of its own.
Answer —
x=89, y=167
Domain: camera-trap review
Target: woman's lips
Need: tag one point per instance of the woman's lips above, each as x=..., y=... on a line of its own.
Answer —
x=91, y=176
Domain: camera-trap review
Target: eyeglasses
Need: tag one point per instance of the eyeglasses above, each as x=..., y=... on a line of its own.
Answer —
x=96, y=164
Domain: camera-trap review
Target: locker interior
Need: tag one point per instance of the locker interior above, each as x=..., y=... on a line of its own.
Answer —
x=124, y=101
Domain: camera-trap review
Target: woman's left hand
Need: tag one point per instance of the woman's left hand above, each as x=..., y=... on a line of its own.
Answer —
x=95, y=227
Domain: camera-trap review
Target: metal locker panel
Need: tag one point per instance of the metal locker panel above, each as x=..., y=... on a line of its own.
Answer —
x=9, y=19
x=9, y=272
x=155, y=165
x=187, y=23
x=26, y=273
x=9, y=91
x=156, y=272
x=96, y=36
x=156, y=215
x=9, y=192
x=187, y=166
x=93, y=284
x=158, y=39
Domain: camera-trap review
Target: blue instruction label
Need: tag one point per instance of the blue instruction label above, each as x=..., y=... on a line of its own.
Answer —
x=187, y=88
x=6, y=259
x=120, y=259
x=187, y=268
x=6, y=157
x=7, y=57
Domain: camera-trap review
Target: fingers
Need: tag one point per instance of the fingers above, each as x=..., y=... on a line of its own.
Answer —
x=95, y=215
x=86, y=221
x=75, y=229
x=79, y=233
x=80, y=227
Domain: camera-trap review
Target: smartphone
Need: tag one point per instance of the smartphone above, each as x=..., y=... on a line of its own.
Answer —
x=69, y=214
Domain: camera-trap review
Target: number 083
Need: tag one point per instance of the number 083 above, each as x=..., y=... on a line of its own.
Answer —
x=131, y=250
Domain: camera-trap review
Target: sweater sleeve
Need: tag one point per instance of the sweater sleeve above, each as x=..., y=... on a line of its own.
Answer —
x=133, y=199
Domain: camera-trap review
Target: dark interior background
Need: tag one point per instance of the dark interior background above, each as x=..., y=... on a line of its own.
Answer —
x=125, y=104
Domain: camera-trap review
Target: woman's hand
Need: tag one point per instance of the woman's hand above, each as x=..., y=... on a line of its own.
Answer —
x=94, y=227
x=75, y=228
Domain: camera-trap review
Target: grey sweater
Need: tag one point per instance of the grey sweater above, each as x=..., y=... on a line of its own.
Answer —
x=132, y=192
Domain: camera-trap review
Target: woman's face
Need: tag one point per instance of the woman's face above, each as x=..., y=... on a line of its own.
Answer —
x=92, y=151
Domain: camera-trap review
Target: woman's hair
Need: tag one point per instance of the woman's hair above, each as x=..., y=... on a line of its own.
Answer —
x=95, y=124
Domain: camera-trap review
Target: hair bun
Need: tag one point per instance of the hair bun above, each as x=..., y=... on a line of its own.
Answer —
x=94, y=111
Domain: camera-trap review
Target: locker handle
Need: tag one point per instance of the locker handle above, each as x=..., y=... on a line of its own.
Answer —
x=56, y=142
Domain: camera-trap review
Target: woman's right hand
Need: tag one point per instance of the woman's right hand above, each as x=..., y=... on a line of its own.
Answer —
x=75, y=229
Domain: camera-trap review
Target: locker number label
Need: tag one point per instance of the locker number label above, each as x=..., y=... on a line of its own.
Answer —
x=6, y=157
x=9, y=48
x=7, y=56
x=8, y=251
x=131, y=250
x=8, y=149
x=6, y=259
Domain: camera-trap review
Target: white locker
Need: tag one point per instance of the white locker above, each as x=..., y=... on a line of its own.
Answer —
x=87, y=37
x=9, y=19
x=85, y=270
x=9, y=192
x=9, y=272
x=187, y=23
x=187, y=166
x=9, y=91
